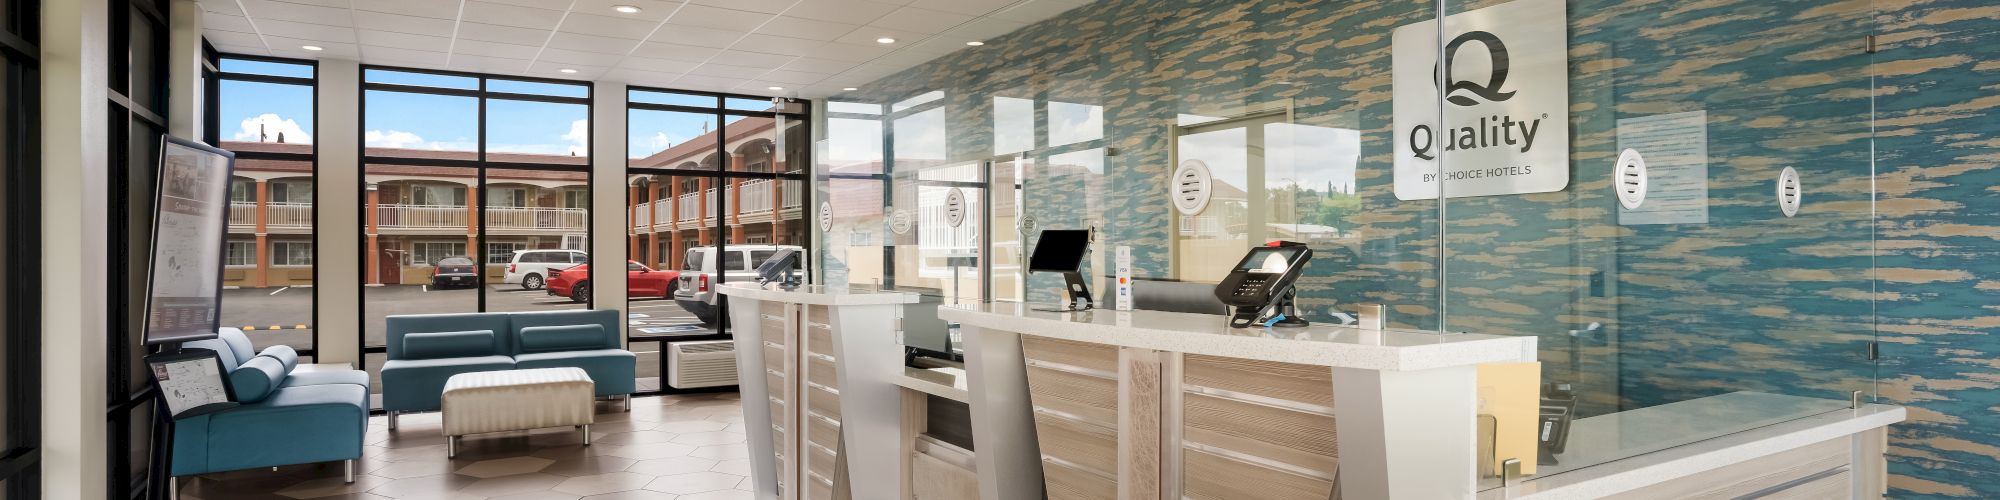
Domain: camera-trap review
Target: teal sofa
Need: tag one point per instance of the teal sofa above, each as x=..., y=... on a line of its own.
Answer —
x=425, y=350
x=286, y=417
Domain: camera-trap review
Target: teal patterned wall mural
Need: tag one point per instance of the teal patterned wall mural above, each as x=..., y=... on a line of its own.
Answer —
x=1898, y=152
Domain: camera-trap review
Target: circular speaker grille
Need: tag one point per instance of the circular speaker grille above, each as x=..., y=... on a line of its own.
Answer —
x=1790, y=193
x=825, y=216
x=1190, y=187
x=954, y=207
x=1629, y=179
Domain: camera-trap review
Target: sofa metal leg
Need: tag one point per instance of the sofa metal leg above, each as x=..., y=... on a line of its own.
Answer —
x=628, y=402
x=392, y=419
x=586, y=434
x=350, y=471
x=451, y=446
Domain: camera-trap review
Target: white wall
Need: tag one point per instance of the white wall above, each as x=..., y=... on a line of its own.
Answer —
x=75, y=185
x=337, y=289
x=185, y=110
x=607, y=200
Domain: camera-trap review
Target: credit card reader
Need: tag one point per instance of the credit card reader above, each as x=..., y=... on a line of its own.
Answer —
x=1259, y=290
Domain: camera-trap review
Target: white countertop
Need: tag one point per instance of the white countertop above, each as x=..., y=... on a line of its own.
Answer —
x=816, y=294
x=1326, y=345
x=1609, y=454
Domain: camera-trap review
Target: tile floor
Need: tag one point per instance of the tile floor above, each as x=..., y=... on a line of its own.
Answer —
x=689, y=447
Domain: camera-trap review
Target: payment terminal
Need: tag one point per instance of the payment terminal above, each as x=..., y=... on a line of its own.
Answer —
x=1259, y=290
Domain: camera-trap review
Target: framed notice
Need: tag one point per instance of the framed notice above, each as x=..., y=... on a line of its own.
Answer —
x=190, y=216
x=191, y=382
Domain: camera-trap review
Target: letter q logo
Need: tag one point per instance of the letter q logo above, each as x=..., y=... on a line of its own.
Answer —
x=1490, y=90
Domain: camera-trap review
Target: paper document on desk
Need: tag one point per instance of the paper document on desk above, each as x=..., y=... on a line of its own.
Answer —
x=1511, y=394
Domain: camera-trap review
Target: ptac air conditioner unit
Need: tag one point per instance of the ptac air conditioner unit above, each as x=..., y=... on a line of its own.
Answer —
x=709, y=363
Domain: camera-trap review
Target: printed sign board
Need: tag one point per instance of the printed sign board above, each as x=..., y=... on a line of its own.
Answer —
x=1505, y=101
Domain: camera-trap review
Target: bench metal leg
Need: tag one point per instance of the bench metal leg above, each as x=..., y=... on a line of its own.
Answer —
x=451, y=446
x=392, y=419
x=586, y=434
x=350, y=471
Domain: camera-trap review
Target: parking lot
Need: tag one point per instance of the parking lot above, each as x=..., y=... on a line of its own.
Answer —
x=258, y=310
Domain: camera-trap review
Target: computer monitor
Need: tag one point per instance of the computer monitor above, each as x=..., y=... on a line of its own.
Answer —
x=1062, y=251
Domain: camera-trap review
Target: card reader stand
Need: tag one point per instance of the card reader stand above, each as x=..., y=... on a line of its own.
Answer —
x=1282, y=312
x=787, y=279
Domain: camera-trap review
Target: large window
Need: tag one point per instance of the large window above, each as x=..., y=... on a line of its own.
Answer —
x=137, y=118
x=20, y=195
x=711, y=181
x=264, y=112
x=468, y=180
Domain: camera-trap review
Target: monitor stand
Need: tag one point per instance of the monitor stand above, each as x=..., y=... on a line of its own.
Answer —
x=1079, y=295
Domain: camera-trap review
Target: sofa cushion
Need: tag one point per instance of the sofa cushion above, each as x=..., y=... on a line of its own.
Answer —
x=284, y=354
x=448, y=345
x=297, y=425
x=536, y=339
x=397, y=326
x=256, y=379
x=608, y=319
x=416, y=384
x=611, y=369
x=238, y=344
x=324, y=377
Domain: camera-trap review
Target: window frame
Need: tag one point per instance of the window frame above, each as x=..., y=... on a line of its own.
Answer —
x=20, y=64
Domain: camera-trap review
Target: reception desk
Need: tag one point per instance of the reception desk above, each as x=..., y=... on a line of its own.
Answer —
x=817, y=368
x=1146, y=404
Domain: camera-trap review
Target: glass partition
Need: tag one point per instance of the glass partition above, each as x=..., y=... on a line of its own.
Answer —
x=1683, y=220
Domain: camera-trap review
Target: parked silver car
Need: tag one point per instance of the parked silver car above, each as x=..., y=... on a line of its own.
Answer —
x=696, y=289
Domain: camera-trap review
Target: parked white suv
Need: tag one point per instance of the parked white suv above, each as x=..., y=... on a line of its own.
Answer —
x=696, y=290
x=530, y=268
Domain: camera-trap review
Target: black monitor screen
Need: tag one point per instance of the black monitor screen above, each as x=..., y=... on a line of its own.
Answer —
x=1273, y=260
x=1060, y=251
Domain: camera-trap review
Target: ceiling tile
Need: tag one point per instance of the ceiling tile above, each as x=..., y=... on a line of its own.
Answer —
x=842, y=11
x=640, y=77
x=261, y=10
x=488, y=64
x=737, y=72
x=502, y=34
x=635, y=29
x=717, y=18
x=221, y=7
x=704, y=82
x=405, y=56
x=917, y=20
x=658, y=65
x=257, y=49
x=226, y=22
x=794, y=77
x=868, y=34
x=676, y=52
x=649, y=10
x=338, y=4
x=403, y=24
x=332, y=49
x=765, y=6
x=546, y=69
x=304, y=31
x=776, y=44
x=220, y=38
x=575, y=57
x=511, y=15
x=741, y=58
x=589, y=43
x=849, y=51
x=539, y=4
x=967, y=7
x=494, y=49
x=697, y=36
x=1034, y=10
x=404, y=40
x=437, y=9
x=936, y=46
x=826, y=66
x=985, y=28
x=794, y=27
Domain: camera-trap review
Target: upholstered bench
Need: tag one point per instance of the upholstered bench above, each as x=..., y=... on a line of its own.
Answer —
x=517, y=400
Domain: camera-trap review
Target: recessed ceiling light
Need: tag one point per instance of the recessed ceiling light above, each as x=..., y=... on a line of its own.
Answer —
x=775, y=88
x=975, y=43
x=850, y=89
x=625, y=9
x=314, y=48
x=567, y=71
x=885, y=40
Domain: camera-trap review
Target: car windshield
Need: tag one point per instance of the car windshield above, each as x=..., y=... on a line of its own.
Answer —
x=454, y=261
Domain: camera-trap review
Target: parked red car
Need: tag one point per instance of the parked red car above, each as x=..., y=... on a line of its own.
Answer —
x=640, y=282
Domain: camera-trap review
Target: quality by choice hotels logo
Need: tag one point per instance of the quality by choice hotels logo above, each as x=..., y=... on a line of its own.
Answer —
x=1505, y=73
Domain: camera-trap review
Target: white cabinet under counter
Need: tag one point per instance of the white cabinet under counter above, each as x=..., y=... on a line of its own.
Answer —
x=1145, y=404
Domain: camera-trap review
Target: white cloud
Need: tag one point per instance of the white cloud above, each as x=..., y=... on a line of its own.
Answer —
x=578, y=137
x=659, y=141
x=393, y=139
x=272, y=125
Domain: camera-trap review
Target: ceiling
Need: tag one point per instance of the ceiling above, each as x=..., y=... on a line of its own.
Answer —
x=812, y=47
